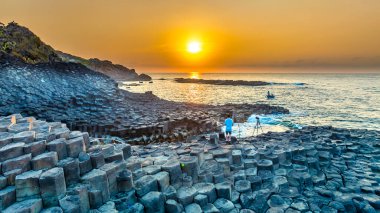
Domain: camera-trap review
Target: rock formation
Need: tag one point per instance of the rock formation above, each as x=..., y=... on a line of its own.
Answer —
x=315, y=169
x=19, y=42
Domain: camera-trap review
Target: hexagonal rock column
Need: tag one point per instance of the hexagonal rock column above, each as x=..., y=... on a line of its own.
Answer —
x=214, y=139
x=153, y=202
x=7, y=197
x=5, y=138
x=31, y=205
x=112, y=169
x=199, y=153
x=243, y=186
x=85, y=164
x=185, y=195
x=163, y=180
x=189, y=165
x=264, y=165
x=223, y=190
x=59, y=146
x=124, y=181
x=27, y=137
x=95, y=198
x=145, y=185
x=71, y=169
x=97, y=159
x=12, y=150
x=52, y=186
x=45, y=161
x=299, y=159
x=224, y=163
x=173, y=206
x=27, y=185
x=97, y=179
x=75, y=146
x=221, y=153
x=174, y=169
x=35, y=148
x=224, y=205
x=207, y=189
x=236, y=157
x=22, y=162
x=126, y=149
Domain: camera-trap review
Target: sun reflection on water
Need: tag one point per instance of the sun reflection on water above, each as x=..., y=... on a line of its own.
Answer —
x=194, y=75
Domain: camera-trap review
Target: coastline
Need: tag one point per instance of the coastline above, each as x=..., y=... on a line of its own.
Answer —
x=299, y=170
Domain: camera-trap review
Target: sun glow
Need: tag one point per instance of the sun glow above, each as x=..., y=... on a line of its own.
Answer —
x=194, y=47
x=194, y=75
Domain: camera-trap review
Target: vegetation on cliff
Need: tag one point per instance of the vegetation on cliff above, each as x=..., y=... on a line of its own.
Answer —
x=20, y=43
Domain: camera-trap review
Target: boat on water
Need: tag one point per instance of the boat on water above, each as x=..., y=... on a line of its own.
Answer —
x=270, y=95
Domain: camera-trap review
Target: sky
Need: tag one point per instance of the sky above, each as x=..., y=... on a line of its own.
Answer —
x=153, y=35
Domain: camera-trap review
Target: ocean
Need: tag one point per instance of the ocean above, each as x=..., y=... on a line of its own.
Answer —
x=339, y=100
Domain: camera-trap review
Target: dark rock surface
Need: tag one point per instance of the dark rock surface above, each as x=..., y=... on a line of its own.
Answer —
x=89, y=101
x=314, y=169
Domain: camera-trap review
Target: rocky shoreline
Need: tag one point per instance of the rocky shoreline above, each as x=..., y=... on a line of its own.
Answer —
x=46, y=167
x=92, y=102
x=222, y=82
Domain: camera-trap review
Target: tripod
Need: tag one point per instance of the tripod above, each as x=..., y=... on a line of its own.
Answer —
x=257, y=127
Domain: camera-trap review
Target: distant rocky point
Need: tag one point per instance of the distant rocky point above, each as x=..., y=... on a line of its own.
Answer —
x=222, y=82
x=115, y=71
x=18, y=42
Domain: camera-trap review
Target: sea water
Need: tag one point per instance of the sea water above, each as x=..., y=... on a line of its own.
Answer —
x=340, y=100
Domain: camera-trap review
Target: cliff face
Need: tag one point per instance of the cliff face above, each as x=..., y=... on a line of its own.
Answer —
x=115, y=71
x=20, y=43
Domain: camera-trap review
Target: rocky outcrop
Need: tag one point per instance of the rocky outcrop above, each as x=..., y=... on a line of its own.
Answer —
x=222, y=82
x=20, y=43
x=116, y=71
x=314, y=169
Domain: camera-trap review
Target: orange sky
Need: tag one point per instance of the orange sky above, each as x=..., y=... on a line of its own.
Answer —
x=152, y=34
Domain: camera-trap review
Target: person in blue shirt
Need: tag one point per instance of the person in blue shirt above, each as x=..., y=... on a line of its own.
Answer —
x=229, y=123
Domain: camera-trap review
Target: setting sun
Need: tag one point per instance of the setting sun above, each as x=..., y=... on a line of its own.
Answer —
x=194, y=47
